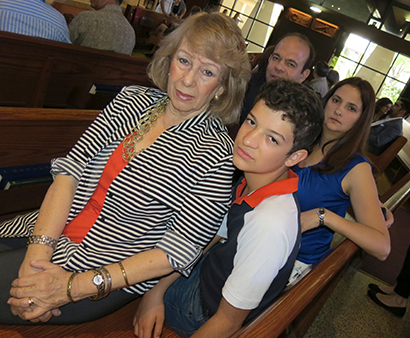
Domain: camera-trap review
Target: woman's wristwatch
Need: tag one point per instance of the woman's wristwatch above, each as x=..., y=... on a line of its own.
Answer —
x=321, y=213
x=102, y=280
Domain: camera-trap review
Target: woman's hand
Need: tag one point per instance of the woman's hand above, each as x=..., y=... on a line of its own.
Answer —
x=150, y=316
x=389, y=218
x=309, y=220
x=26, y=270
x=47, y=289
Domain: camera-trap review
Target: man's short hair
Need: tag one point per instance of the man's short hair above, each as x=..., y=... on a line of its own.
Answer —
x=312, y=52
x=322, y=68
x=405, y=104
x=300, y=105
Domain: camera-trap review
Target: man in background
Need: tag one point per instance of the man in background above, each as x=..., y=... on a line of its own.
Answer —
x=319, y=83
x=291, y=59
x=386, y=131
x=105, y=28
x=33, y=18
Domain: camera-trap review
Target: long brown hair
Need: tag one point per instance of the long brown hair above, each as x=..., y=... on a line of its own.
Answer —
x=354, y=140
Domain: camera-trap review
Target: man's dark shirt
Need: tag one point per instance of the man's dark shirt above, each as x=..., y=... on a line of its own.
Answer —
x=256, y=82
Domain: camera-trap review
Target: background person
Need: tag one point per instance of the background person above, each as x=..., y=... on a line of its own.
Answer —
x=291, y=59
x=141, y=193
x=178, y=9
x=319, y=83
x=33, y=18
x=382, y=108
x=394, y=298
x=105, y=28
x=336, y=175
x=386, y=131
x=332, y=77
x=164, y=6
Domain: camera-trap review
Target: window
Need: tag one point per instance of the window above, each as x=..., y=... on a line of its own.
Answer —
x=256, y=19
x=386, y=70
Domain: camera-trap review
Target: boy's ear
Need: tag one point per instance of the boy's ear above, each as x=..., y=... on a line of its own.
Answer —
x=296, y=157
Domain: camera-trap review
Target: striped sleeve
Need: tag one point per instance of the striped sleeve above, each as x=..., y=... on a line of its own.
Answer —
x=113, y=120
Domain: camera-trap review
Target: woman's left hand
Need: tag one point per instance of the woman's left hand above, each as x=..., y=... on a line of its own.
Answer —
x=309, y=220
x=389, y=219
x=46, y=289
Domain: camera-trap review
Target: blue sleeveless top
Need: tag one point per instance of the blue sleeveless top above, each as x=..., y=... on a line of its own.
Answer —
x=318, y=190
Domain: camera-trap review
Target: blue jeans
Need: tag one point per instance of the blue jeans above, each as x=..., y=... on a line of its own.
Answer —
x=183, y=309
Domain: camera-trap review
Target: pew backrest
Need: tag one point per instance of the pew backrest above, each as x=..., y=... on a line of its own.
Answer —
x=37, y=72
x=31, y=136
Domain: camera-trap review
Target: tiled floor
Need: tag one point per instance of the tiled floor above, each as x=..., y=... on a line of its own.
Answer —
x=349, y=313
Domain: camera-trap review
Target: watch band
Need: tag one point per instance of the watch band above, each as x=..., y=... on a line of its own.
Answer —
x=43, y=240
x=102, y=280
x=321, y=213
x=98, y=281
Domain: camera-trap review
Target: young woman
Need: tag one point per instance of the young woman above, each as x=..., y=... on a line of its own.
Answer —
x=382, y=108
x=335, y=175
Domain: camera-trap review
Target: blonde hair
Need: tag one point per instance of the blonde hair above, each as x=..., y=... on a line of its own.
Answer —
x=218, y=38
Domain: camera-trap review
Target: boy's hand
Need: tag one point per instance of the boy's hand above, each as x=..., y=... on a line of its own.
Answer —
x=150, y=316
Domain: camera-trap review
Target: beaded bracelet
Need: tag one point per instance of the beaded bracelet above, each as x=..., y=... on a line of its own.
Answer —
x=43, y=240
x=124, y=274
x=70, y=282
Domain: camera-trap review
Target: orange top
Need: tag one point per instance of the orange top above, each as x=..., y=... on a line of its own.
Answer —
x=78, y=228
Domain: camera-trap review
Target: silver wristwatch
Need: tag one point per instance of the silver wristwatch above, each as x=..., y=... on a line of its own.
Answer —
x=321, y=213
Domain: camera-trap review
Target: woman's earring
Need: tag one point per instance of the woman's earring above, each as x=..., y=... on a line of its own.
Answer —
x=216, y=97
x=169, y=74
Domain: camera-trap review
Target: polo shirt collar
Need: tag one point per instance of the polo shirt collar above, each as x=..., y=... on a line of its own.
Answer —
x=282, y=187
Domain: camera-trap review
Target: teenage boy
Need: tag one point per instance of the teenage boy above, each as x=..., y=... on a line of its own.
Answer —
x=239, y=278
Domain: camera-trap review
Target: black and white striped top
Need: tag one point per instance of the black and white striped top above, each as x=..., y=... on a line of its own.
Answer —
x=172, y=196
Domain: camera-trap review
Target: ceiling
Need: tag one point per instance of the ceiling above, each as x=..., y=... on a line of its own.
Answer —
x=392, y=13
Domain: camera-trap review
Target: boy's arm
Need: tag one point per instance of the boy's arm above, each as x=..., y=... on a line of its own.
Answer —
x=224, y=323
x=149, y=317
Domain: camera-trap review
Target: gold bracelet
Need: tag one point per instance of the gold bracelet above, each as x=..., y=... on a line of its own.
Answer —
x=69, y=284
x=43, y=240
x=108, y=283
x=124, y=274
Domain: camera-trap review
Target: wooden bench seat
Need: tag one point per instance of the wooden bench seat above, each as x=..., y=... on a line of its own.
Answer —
x=293, y=312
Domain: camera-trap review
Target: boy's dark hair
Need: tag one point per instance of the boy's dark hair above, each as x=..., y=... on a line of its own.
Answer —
x=300, y=105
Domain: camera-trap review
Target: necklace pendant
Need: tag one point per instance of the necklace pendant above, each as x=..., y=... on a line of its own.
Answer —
x=144, y=124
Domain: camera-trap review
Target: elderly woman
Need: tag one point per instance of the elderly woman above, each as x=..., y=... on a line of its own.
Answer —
x=143, y=190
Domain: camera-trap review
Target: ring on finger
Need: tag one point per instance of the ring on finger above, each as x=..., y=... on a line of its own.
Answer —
x=31, y=302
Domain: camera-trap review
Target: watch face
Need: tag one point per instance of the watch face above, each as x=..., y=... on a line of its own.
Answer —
x=98, y=280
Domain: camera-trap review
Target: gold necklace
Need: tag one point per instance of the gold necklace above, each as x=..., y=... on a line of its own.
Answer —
x=144, y=124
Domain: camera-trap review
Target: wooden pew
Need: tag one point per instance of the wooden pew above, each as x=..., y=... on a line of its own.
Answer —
x=145, y=21
x=38, y=72
x=35, y=136
x=294, y=311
